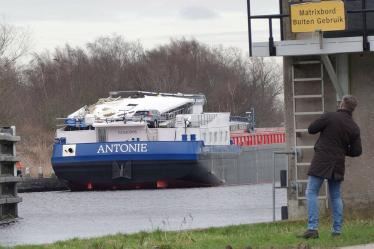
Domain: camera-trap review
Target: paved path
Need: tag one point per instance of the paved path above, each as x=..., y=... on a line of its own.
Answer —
x=366, y=246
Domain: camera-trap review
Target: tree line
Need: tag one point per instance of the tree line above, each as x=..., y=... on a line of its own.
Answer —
x=55, y=83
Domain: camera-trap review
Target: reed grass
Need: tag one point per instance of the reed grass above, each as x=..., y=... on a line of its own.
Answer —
x=266, y=235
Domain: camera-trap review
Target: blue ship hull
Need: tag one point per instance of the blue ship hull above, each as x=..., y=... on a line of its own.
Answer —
x=131, y=165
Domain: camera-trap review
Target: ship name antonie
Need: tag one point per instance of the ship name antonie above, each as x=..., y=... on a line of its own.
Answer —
x=124, y=148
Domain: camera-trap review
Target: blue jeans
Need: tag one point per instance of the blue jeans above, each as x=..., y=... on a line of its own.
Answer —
x=314, y=185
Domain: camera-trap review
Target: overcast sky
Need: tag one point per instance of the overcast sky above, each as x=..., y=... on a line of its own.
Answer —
x=153, y=22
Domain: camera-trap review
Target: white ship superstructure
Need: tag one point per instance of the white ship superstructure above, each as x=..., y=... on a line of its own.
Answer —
x=113, y=119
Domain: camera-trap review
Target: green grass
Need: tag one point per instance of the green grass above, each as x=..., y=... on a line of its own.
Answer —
x=270, y=235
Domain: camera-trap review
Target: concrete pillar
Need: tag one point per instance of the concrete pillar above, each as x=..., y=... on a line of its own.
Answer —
x=297, y=207
x=358, y=194
x=356, y=77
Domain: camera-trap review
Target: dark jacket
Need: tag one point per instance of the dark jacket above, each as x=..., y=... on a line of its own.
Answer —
x=339, y=137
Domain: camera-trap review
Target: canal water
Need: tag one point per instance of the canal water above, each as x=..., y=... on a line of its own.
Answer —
x=51, y=216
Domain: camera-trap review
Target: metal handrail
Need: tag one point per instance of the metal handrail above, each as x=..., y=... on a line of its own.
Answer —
x=281, y=16
x=272, y=49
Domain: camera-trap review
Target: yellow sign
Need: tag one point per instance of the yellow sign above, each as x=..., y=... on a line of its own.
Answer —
x=318, y=16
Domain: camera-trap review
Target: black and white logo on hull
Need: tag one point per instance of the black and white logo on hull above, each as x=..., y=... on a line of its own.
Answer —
x=68, y=150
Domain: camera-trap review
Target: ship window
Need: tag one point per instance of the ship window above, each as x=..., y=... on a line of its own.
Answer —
x=226, y=136
x=210, y=137
x=215, y=137
x=132, y=104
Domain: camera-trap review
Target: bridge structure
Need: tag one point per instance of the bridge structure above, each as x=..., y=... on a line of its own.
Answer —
x=331, y=58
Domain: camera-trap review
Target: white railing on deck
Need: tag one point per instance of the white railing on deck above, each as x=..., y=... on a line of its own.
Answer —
x=195, y=120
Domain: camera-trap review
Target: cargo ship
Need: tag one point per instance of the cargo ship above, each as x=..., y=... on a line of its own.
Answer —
x=136, y=139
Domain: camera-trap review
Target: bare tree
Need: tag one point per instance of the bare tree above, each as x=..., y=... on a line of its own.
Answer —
x=265, y=83
x=14, y=42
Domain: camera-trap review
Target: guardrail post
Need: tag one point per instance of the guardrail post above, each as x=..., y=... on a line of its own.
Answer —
x=288, y=153
x=284, y=213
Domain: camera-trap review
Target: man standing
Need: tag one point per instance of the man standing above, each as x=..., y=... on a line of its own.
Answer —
x=339, y=137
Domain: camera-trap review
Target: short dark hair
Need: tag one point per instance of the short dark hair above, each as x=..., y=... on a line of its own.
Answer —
x=349, y=102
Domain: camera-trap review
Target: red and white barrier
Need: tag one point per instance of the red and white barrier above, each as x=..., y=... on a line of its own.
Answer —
x=253, y=139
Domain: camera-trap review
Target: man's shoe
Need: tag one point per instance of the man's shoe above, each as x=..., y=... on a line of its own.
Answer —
x=335, y=234
x=309, y=234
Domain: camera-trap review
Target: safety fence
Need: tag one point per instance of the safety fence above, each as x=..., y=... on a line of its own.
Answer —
x=253, y=139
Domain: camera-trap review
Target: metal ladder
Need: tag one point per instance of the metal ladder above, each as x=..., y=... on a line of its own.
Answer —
x=301, y=182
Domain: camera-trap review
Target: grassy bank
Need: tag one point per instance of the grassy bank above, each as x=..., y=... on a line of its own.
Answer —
x=272, y=235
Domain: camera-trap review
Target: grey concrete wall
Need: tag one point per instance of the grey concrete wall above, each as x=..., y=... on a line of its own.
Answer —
x=358, y=188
